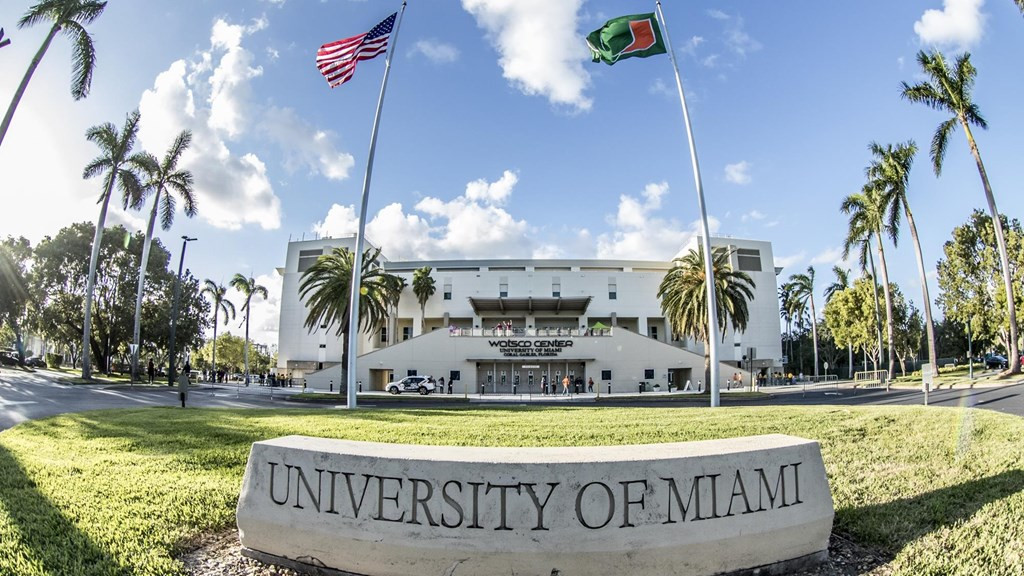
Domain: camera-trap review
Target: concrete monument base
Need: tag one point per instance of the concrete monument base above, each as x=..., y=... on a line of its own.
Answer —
x=756, y=505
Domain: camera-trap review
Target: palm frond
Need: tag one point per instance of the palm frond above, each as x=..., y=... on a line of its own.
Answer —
x=939, y=143
x=83, y=59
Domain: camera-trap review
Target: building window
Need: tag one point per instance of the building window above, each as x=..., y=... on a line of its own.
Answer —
x=648, y=374
x=322, y=346
x=307, y=258
x=606, y=375
x=748, y=259
x=406, y=332
x=384, y=335
x=556, y=287
x=411, y=373
x=654, y=332
x=613, y=289
x=447, y=288
x=503, y=287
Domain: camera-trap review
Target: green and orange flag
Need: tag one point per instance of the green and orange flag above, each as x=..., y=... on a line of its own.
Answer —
x=625, y=37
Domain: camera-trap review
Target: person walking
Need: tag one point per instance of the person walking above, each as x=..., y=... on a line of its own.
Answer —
x=590, y=384
x=440, y=385
x=565, y=385
x=544, y=385
x=150, y=370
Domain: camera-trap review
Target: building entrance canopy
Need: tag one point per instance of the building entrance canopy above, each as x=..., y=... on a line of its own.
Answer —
x=530, y=305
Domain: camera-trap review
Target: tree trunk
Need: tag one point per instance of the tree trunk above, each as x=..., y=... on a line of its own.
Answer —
x=1013, y=362
x=851, y=360
x=878, y=319
x=216, y=306
x=137, y=333
x=928, y=324
x=97, y=239
x=24, y=82
x=245, y=352
x=888, y=306
x=814, y=334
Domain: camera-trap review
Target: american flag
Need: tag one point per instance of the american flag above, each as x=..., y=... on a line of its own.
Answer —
x=337, y=60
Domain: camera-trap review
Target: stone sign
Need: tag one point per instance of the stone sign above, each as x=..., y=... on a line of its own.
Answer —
x=710, y=507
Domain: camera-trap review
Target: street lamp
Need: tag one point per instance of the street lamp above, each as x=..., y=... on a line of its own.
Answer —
x=174, y=310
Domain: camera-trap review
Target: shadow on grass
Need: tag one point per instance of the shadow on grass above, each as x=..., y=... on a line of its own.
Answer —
x=893, y=525
x=36, y=536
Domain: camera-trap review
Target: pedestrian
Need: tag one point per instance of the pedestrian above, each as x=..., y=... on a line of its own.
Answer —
x=565, y=385
x=188, y=371
x=590, y=384
x=440, y=385
x=544, y=385
x=451, y=383
x=150, y=370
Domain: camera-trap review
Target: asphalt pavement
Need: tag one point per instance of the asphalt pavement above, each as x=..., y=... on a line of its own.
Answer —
x=32, y=395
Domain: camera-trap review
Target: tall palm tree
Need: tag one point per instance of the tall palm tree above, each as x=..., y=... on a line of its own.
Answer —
x=867, y=218
x=684, y=301
x=119, y=167
x=249, y=288
x=891, y=171
x=785, y=311
x=949, y=91
x=162, y=178
x=218, y=294
x=326, y=289
x=801, y=288
x=842, y=282
x=423, y=287
x=70, y=17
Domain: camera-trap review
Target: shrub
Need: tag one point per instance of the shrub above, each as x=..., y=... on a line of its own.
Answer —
x=53, y=361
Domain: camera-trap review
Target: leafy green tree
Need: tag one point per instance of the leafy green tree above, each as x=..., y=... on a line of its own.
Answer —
x=909, y=333
x=119, y=167
x=326, y=289
x=423, y=287
x=14, y=289
x=867, y=211
x=249, y=288
x=842, y=282
x=949, y=91
x=969, y=277
x=890, y=170
x=232, y=352
x=221, y=305
x=850, y=317
x=69, y=17
x=801, y=289
x=684, y=300
x=162, y=178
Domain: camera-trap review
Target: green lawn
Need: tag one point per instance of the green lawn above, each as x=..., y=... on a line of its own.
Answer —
x=124, y=492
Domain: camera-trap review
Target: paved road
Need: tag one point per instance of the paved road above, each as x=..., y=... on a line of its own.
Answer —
x=25, y=396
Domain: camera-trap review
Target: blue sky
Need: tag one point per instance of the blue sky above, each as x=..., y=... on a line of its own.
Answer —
x=501, y=139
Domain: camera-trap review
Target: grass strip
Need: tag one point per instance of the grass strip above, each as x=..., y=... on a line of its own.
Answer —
x=124, y=492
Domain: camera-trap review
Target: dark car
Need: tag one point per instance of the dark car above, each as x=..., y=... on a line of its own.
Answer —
x=995, y=361
x=35, y=362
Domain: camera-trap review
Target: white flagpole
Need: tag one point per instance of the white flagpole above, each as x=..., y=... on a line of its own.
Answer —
x=705, y=233
x=357, y=257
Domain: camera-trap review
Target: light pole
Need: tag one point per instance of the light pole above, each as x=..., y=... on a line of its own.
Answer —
x=174, y=309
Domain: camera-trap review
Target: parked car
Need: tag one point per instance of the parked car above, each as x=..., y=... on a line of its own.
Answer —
x=35, y=362
x=422, y=384
x=995, y=361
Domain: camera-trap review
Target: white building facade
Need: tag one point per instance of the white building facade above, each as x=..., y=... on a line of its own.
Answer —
x=506, y=326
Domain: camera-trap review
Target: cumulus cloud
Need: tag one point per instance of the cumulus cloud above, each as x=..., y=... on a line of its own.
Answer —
x=959, y=24
x=752, y=215
x=791, y=260
x=210, y=94
x=538, y=41
x=436, y=51
x=265, y=313
x=738, y=173
x=829, y=257
x=735, y=37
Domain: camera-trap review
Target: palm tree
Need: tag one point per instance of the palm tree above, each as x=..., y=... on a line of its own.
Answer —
x=867, y=217
x=841, y=283
x=423, y=287
x=785, y=311
x=121, y=168
x=70, y=17
x=891, y=171
x=326, y=289
x=218, y=293
x=684, y=301
x=249, y=288
x=163, y=178
x=801, y=288
x=949, y=91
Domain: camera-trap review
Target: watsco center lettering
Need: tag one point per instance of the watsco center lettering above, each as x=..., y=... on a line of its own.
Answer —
x=530, y=347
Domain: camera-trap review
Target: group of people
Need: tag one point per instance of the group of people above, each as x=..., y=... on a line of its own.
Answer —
x=552, y=389
x=439, y=385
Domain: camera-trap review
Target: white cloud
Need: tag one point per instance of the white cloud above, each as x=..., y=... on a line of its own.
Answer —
x=959, y=24
x=738, y=173
x=541, y=52
x=718, y=14
x=660, y=87
x=752, y=215
x=495, y=193
x=210, y=95
x=829, y=257
x=790, y=261
x=639, y=234
x=435, y=51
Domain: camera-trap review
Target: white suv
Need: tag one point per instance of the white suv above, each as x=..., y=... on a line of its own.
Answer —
x=422, y=384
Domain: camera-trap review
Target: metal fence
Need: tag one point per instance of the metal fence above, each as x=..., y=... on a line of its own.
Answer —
x=871, y=379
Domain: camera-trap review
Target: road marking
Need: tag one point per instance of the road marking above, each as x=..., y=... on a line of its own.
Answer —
x=13, y=403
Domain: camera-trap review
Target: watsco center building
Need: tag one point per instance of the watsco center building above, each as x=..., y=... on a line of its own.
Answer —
x=505, y=325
